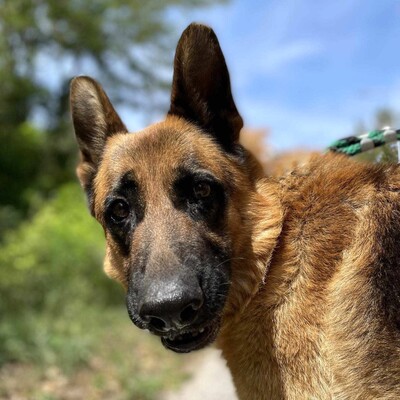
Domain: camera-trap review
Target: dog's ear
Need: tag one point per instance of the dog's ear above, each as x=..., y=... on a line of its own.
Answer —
x=201, y=90
x=95, y=120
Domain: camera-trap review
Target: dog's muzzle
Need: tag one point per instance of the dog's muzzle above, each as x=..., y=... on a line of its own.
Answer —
x=174, y=310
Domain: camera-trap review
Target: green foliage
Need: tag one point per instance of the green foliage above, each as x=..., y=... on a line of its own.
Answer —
x=54, y=258
x=20, y=158
x=51, y=264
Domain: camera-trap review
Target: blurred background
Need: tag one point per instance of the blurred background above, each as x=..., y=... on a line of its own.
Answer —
x=304, y=73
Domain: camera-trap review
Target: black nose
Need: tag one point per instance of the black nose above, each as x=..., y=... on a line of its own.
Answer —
x=171, y=305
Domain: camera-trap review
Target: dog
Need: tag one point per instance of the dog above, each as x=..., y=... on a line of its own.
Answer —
x=297, y=279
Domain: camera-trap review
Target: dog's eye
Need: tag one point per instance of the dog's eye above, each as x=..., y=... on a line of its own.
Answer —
x=202, y=189
x=119, y=210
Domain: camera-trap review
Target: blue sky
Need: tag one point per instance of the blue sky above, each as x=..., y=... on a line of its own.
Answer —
x=309, y=71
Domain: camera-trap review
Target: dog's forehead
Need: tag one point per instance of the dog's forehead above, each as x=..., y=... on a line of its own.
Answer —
x=157, y=152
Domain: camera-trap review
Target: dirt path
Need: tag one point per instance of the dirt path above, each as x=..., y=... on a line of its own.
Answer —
x=210, y=379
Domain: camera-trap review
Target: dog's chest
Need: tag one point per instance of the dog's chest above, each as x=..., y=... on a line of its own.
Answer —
x=276, y=355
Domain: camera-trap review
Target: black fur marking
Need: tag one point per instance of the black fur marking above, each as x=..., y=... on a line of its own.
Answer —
x=128, y=191
x=210, y=209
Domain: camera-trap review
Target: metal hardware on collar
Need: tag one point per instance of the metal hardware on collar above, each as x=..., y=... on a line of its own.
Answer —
x=353, y=145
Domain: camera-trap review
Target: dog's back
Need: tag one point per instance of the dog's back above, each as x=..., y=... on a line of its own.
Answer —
x=326, y=324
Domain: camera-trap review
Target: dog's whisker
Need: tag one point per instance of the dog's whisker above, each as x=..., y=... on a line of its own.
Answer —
x=229, y=260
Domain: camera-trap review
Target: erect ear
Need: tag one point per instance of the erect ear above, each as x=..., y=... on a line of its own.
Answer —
x=95, y=120
x=201, y=90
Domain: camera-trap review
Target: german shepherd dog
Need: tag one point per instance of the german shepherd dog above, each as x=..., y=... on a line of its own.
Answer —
x=297, y=279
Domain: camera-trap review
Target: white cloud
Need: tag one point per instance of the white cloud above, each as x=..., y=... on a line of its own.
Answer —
x=282, y=56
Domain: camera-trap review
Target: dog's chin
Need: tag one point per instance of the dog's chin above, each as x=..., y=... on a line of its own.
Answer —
x=190, y=339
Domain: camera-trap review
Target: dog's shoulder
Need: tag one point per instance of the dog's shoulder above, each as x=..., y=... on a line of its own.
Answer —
x=342, y=223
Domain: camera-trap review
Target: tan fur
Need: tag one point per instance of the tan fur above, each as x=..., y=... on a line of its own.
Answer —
x=313, y=306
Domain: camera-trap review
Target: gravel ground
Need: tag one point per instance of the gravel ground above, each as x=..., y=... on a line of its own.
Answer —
x=210, y=379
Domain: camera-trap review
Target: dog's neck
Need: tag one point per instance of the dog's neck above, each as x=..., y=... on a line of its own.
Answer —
x=262, y=225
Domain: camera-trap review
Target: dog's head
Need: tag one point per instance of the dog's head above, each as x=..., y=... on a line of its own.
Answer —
x=171, y=197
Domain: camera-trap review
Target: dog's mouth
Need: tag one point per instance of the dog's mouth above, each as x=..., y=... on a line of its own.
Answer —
x=184, y=342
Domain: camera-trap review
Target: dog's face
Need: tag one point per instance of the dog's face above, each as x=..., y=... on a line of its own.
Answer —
x=169, y=197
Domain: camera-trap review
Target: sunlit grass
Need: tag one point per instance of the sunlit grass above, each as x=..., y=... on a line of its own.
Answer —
x=93, y=354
